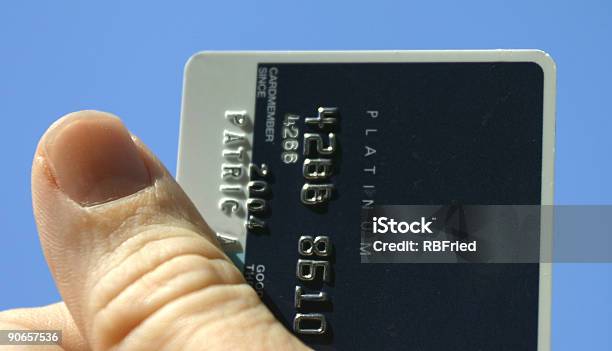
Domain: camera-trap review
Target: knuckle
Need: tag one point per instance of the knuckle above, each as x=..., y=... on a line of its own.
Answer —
x=151, y=273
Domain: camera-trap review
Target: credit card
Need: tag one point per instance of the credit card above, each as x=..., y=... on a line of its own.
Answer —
x=282, y=151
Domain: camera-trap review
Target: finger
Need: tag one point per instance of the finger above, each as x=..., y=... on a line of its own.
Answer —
x=51, y=317
x=136, y=265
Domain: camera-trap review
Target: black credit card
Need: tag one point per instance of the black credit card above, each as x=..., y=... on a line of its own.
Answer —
x=329, y=139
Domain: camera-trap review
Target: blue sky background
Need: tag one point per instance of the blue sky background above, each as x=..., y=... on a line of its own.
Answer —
x=127, y=57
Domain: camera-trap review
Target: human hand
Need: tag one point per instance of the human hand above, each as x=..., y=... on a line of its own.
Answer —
x=135, y=263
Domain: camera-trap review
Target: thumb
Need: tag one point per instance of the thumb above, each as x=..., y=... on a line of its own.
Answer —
x=135, y=263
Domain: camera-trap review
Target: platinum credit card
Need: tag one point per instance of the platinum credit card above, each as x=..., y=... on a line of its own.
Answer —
x=292, y=156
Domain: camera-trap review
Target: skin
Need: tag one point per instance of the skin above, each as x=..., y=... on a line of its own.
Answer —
x=136, y=265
